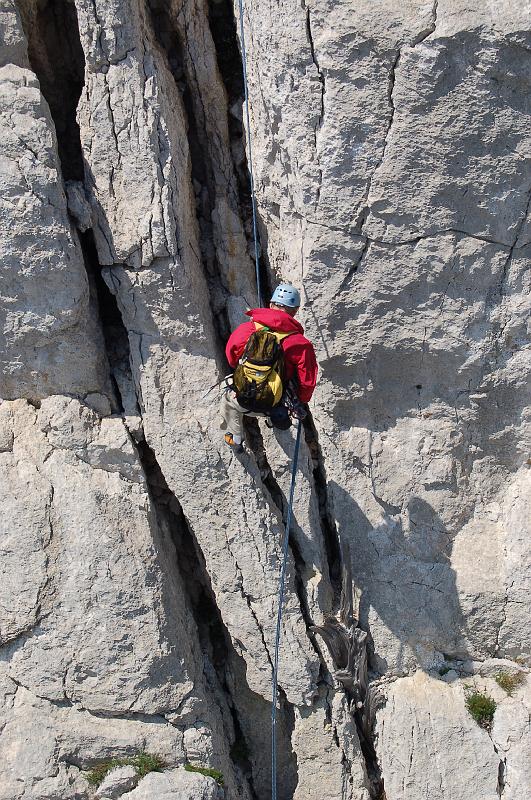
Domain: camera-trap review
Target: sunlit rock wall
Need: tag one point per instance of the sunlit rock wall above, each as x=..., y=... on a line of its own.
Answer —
x=140, y=557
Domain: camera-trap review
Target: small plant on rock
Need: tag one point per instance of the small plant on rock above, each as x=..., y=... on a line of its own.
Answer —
x=99, y=772
x=142, y=762
x=146, y=762
x=481, y=708
x=509, y=682
x=207, y=771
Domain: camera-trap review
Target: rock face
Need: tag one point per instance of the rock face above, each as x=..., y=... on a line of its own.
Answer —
x=140, y=559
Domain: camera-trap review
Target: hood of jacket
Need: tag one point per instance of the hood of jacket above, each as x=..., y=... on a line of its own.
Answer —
x=275, y=319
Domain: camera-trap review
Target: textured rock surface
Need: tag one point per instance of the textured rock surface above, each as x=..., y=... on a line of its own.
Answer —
x=415, y=298
x=118, y=781
x=176, y=785
x=511, y=734
x=430, y=746
x=140, y=559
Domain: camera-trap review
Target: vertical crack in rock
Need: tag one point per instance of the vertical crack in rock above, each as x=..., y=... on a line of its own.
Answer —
x=328, y=526
x=115, y=333
x=347, y=644
x=502, y=768
x=320, y=73
x=172, y=44
x=47, y=589
x=223, y=28
x=279, y=501
x=214, y=638
x=346, y=641
x=364, y=206
x=390, y=90
x=225, y=669
x=57, y=59
x=321, y=77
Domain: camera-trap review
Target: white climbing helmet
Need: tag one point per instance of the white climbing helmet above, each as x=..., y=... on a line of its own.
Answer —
x=286, y=295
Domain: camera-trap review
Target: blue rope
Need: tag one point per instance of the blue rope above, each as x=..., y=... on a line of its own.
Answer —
x=297, y=441
x=279, y=617
x=250, y=159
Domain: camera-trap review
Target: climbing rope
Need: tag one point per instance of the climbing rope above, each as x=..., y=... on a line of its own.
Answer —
x=285, y=547
x=279, y=617
x=250, y=159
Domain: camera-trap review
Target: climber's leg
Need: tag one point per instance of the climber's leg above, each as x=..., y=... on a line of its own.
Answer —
x=232, y=415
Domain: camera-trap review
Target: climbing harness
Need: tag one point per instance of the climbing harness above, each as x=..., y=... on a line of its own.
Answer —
x=299, y=416
x=250, y=159
x=279, y=617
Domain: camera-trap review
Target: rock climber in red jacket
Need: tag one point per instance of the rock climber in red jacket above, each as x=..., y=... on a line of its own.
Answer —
x=299, y=363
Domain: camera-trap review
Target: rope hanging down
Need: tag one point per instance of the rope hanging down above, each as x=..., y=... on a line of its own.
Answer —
x=285, y=547
x=279, y=616
x=250, y=159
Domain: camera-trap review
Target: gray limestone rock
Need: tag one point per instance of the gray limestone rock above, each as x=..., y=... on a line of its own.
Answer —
x=429, y=745
x=118, y=781
x=176, y=784
x=52, y=339
x=92, y=621
x=139, y=557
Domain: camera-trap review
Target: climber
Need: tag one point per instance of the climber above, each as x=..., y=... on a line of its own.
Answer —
x=275, y=369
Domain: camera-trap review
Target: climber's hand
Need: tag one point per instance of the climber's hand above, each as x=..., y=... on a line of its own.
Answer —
x=299, y=410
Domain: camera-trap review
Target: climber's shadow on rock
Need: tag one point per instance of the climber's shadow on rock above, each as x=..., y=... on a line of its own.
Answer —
x=409, y=599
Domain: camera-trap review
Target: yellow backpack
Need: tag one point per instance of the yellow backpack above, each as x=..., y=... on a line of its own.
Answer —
x=260, y=376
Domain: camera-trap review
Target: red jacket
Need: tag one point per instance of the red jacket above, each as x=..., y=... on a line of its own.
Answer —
x=299, y=355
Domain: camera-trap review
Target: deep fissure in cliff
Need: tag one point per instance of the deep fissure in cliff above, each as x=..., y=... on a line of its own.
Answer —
x=328, y=525
x=256, y=442
x=60, y=71
x=223, y=28
x=62, y=80
x=57, y=58
x=250, y=713
x=169, y=38
x=213, y=636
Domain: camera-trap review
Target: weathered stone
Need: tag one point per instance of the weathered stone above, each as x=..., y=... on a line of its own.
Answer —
x=405, y=223
x=118, y=781
x=511, y=736
x=13, y=48
x=93, y=620
x=328, y=749
x=176, y=784
x=52, y=340
x=140, y=557
x=422, y=732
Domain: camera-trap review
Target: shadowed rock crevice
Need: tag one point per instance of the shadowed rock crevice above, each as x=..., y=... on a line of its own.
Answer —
x=348, y=645
x=224, y=29
x=328, y=525
x=211, y=179
x=256, y=443
x=169, y=37
x=246, y=715
x=56, y=56
x=114, y=331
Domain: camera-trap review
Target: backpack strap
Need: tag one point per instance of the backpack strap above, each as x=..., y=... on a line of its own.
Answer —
x=279, y=335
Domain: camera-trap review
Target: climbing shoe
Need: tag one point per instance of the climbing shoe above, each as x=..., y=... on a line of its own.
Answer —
x=236, y=446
